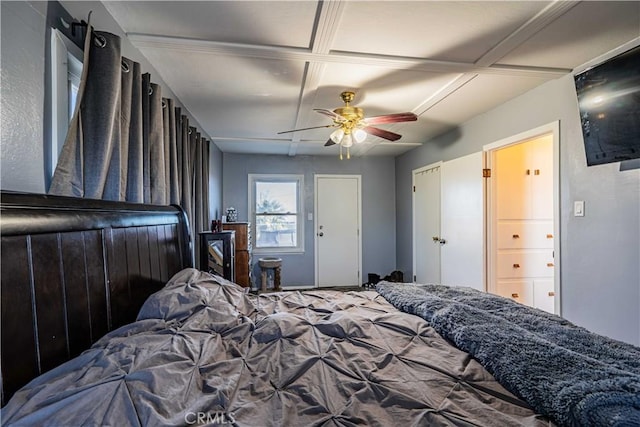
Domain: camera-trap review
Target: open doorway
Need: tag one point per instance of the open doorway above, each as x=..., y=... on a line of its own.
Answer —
x=522, y=204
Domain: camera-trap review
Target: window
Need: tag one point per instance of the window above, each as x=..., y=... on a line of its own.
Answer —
x=276, y=211
x=66, y=71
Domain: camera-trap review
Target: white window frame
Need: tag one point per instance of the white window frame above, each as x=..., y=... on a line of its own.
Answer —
x=66, y=73
x=299, y=180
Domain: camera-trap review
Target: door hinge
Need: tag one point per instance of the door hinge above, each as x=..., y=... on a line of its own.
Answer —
x=414, y=188
x=486, y=173
x=414, y=278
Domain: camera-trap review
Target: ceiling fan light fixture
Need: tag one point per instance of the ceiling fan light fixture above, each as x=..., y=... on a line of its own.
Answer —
x=359, y=135
x=350, y=123
x=336, y=135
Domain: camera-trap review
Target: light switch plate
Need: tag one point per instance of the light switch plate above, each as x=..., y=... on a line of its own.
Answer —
x=578, y=208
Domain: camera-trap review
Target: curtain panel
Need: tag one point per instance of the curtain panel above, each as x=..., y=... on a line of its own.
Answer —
x=126, y=142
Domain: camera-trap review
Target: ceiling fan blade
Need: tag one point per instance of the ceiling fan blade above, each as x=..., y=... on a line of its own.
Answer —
x=382, y=133
x=314, y=127
x=329, y=143
x=329, y=113
x=391, y=118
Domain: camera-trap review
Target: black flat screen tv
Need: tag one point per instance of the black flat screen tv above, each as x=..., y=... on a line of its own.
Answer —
x=609, y=104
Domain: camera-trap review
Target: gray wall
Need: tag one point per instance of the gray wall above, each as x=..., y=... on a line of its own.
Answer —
x=24, y=51
x=600, y=252
x=22, y=101
x=215, y=182
x=378, y=206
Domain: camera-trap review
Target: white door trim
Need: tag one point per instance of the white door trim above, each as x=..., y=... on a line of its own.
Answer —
x=358, y=179
x=552, y=128
x=415, y=172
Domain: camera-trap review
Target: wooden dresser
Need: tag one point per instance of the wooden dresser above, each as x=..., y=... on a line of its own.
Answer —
x=243, y=251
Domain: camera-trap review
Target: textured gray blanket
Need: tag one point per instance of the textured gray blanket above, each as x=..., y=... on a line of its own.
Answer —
x=574, y=376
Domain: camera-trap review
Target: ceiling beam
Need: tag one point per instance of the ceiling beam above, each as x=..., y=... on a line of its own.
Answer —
x=328, y=18
x=327, y=23
x=146, y=41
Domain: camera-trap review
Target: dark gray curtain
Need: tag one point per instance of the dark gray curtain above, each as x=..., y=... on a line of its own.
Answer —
x=171, y=152
x=132, y=130
x=198, y=187
x=126, y=142
x=90, y=162
x=156, y=147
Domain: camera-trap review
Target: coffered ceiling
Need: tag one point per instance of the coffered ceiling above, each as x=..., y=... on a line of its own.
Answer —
x=247, y=70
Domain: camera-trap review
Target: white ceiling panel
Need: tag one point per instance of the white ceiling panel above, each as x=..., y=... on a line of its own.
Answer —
x=233, y=96
x=274, y=23
x=480, y=94
x=379, y=90
x=573, y=38
x=443, y=30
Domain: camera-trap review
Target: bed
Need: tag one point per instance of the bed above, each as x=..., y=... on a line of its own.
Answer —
x=75, y=269
x=200, y=350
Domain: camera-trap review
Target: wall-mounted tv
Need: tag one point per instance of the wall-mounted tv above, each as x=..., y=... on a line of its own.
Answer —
x=609, y=104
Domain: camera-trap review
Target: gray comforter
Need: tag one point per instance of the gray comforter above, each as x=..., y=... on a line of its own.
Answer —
x=204, y=352
x=576, y=377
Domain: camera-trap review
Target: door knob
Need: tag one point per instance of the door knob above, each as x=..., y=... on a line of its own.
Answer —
x=321, y=234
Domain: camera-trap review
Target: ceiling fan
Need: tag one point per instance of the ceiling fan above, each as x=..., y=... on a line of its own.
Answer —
x=352, y=126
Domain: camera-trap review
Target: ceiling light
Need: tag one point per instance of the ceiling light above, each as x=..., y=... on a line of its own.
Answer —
x=345, y=136
x=336, y=135
x=347, y=141
x=359, y=135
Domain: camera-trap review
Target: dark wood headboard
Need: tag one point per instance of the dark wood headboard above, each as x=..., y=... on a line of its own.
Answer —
x=75, y=269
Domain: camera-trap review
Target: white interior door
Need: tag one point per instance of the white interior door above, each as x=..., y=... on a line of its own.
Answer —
x=338, y=245
x=462, y=222
x=426, y=225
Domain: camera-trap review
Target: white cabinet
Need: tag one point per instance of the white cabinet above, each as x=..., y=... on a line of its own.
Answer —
x=518, y=290
x=523, y=255
x=537, y=293
x=525, y=263
x=525, y=234
x=543, y=294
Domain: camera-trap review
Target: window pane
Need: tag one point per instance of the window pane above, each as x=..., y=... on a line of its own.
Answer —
x=73, y=97
x=276, y=231
x=276, y=197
